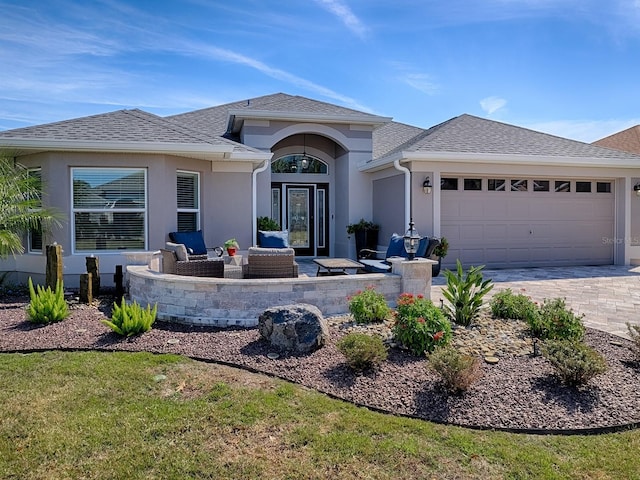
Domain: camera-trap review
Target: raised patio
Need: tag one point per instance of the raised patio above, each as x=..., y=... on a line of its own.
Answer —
x=227, y=302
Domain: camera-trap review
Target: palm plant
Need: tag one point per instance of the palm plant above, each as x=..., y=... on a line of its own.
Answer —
x=21, y=209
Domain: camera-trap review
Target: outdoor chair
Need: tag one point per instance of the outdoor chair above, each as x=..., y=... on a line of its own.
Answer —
x=395, y=249
x=194, y=242
x=177, y=261
x=270, y=263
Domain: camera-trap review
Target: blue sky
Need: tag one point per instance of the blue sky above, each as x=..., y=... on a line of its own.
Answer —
x=566, y=67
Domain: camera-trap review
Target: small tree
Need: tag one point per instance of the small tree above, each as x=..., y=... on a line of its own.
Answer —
x=21, y=208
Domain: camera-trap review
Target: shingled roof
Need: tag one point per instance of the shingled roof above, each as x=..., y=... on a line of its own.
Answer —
x=215, y=120
x=467, y=134
x=627, y=140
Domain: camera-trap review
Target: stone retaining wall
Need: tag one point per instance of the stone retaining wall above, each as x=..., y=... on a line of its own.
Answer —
x=224, y=302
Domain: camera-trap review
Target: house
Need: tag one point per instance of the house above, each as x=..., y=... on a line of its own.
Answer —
x=504, y=196
x=627, y=140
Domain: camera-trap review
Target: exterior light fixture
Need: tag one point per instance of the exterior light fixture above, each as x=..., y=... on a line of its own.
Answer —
x=426, y=186
x=411, y=241
x=636, y=188
x=305, y=159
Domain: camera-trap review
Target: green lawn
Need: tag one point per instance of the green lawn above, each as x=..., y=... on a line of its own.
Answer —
x=141, y=416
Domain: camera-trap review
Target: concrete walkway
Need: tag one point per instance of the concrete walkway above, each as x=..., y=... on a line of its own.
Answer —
x=608, y=296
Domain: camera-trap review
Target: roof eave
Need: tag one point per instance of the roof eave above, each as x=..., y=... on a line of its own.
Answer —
x=458, y=157
x=236, y=116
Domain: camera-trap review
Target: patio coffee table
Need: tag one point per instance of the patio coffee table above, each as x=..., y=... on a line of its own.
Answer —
x=335, y=266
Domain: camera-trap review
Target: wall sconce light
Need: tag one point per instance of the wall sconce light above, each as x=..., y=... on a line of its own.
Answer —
x=636, y=188
x=426, y=186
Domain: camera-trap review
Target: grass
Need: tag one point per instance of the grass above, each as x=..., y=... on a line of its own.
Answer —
x=140, y=416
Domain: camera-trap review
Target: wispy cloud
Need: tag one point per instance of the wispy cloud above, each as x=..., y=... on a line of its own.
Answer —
x=586, y=130
x=492, y=104
x=422, y=82
x=346, y=16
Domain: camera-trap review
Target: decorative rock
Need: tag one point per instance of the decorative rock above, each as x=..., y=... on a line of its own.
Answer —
x=173, y=341
x=300, y=328
x=491, y=360
x=273, y=355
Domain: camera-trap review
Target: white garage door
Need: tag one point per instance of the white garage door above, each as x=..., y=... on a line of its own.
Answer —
x=514, y=222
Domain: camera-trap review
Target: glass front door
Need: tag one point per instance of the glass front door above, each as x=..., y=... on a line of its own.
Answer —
x=304, y=209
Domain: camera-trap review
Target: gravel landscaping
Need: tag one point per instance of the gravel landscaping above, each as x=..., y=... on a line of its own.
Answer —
x=519, y=393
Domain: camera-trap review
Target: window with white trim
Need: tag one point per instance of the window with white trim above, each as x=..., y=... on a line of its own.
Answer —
x=109, y=209
x=188, y=193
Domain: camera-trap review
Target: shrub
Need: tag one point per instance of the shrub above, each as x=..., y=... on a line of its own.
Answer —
x=131, y=319
x=464, y=293
x=368, y=306
x=47, y=306
x=419, y=325
x=574, y=361
x=268, y=224
x=555, y=321
x=362, y=351
x=634, y=333
x=456, y=370
x=506, y=304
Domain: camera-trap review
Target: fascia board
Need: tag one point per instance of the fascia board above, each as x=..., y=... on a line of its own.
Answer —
x=499, y=159
x=139, y=147
x=310, y=117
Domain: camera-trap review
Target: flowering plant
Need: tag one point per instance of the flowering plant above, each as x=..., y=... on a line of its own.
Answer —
x=419, y=325
x=368, y=306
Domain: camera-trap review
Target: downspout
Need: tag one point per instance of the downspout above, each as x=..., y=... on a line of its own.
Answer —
x=407, y=190
x=254, y=198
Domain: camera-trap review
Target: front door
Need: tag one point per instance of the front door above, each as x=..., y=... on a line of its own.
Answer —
x=304, y=210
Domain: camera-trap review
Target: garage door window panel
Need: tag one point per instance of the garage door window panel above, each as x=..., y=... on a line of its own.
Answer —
x=541, y=185
x=603, y=187
x=473, y=184
x=496, y=184
x=563, y=186
x=447, y=183
x=519, y=185
x=583, y=187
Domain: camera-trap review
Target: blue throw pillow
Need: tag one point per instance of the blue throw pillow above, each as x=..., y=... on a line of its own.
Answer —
x=278, y=239
x=422, y=247
x=396, y=246
x=192, y=240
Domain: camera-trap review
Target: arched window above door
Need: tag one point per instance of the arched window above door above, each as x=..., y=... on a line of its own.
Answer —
x=299, y=164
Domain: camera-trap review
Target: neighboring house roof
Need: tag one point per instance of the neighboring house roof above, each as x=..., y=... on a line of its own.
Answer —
x=470, y=137
x=627, y=140
x=122, y=131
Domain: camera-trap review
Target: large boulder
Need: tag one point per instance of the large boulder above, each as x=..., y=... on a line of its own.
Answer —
x=298, y=328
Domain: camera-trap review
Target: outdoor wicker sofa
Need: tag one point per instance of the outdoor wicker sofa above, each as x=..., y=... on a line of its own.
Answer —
x=270, y=263
x=177, y=261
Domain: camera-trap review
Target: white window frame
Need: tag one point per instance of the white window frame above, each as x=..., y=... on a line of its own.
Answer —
x=75, y=210
x=195, y=210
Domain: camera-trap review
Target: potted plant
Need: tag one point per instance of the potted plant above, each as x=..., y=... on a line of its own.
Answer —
x=439, y=253
x=366, y=234
x=267, y=224
x=231, y=246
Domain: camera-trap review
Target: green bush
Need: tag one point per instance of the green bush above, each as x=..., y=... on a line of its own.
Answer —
x=506, y=304
x=464, y=293
x=267, y=224
x=456, y=370
x=634, y=333
x=555, y=321
x=47, y=306
x=574, y=361
x=131, y=319
x=362, y=351
x=419, y=325
x=368, y=306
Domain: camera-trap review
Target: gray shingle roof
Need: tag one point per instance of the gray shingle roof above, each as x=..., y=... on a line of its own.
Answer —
x=126, y=126
x=474, y=135
x=213, y=121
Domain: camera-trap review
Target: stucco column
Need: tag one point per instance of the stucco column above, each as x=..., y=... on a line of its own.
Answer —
x=416, y=275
